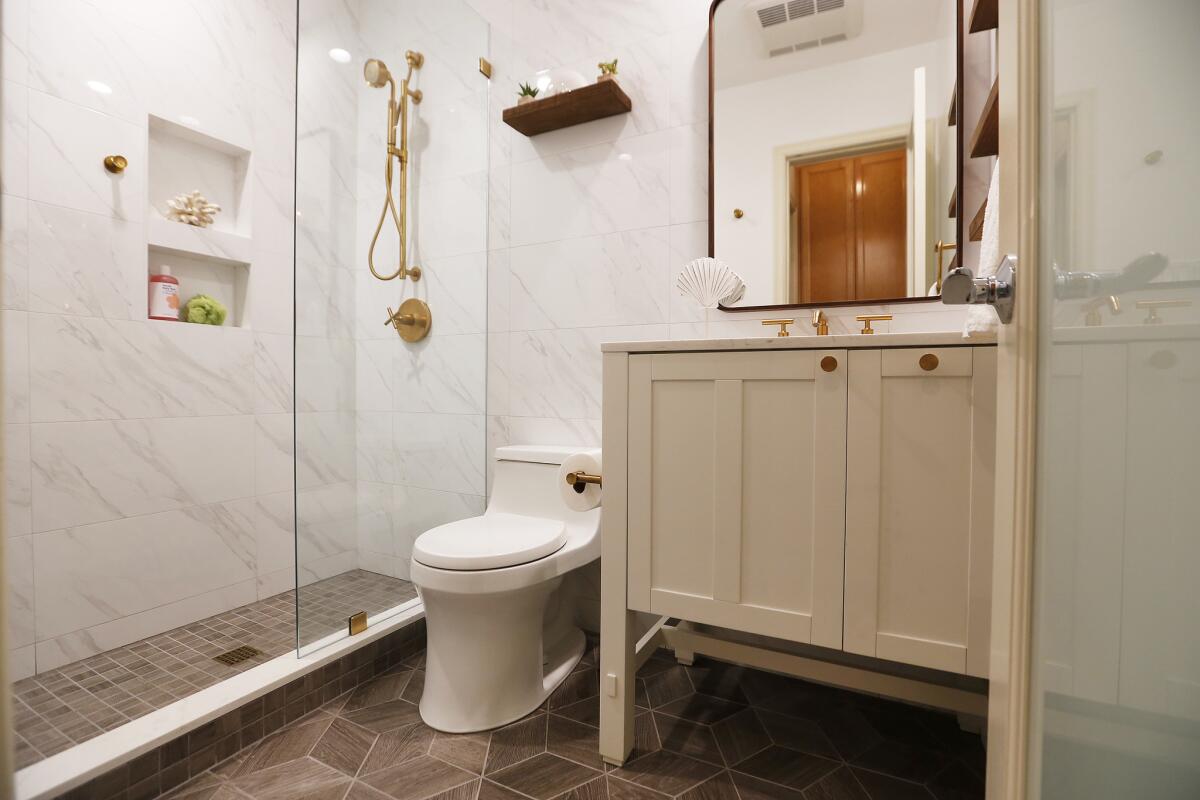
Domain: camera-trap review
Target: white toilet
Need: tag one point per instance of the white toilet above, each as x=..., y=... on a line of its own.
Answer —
x=499, y=640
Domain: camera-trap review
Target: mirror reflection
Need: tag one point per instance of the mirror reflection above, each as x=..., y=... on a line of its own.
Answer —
x=834, y=148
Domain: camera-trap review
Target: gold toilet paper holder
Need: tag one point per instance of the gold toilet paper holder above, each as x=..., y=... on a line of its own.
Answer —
x=579, y=480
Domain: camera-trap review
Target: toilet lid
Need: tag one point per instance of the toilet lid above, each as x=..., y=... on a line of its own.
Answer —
x=489, y=542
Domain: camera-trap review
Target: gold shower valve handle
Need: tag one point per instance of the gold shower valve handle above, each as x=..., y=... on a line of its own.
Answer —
x=867, y=319
x=412, y=321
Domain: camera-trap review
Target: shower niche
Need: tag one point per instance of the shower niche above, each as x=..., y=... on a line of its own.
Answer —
x=212, y=260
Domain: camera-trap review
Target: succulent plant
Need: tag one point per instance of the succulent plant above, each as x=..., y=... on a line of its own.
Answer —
x=528, y=91
x=608, y=67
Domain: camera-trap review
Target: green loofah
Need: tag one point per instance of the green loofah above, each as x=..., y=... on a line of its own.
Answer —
x=204, y=310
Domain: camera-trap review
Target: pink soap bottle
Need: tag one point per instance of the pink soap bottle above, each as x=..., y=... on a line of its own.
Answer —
x=164, y=295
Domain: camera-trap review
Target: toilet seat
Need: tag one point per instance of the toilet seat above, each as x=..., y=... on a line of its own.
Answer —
x=492, y=541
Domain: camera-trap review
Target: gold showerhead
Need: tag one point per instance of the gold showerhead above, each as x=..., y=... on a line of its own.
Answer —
x=376, y=73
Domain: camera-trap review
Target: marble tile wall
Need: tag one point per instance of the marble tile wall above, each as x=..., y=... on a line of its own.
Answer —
x=588, y=226
x=147, y=465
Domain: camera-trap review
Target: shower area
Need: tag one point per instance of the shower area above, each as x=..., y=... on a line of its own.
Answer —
x=186, y=502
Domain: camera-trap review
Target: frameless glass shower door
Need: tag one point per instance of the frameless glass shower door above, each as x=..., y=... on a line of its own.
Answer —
x=389, y=432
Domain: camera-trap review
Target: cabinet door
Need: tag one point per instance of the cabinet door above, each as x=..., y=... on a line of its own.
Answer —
x=737, y=490
x=920, y=465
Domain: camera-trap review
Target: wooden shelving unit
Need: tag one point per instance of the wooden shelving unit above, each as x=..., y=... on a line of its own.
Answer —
x=985, y=15
x=595, y=101
x=976, y=227
x=985, y=141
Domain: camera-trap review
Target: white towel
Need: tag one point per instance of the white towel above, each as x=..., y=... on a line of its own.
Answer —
x=983, y=319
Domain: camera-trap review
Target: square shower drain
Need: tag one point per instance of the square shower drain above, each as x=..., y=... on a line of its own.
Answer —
x=238, y=654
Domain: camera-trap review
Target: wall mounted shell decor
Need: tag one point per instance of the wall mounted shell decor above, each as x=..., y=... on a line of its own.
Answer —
x=710, y=283
x=192, y=208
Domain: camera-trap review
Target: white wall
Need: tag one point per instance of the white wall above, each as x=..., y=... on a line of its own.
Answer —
x=811, y=107
x=147, y=464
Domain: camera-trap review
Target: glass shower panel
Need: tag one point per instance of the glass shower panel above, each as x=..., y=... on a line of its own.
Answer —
x=1116, y=706
x=389, y=433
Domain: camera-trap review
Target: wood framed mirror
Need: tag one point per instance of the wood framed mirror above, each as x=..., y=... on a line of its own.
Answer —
x=834, y=155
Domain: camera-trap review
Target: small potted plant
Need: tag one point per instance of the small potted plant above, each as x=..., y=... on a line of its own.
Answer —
x=608, y=70
x=526, y=94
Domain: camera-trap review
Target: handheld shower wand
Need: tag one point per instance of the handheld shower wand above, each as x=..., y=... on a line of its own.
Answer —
x=377, y=75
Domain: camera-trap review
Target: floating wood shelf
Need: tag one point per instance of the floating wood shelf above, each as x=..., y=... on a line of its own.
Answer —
x=954, y=203
x=985, y=141
x=952, y=116
x=595, y=101
x=985, y=16
x=976, y=228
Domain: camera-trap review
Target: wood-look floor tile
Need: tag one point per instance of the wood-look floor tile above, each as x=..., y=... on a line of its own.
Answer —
x=361, y=791
x=287, y=745
x=701, y=708
x=466, y=751
x=344, y=746
x=387, y=716
x=585, y=711
x=688, y=738
x=751, y=788
x=787, y=767
x=796, y=733
x=302, y=778
x=398, y=746
x=645, y=736
x=624, y=790
x=388, y=686
x=740, y=736
x=517, y=742
x=544, y=776
x=837, y=785
x=718, y=679
x=666, y=772
x=885, y=787
x=957, y=782
x=494, y=791
x=575, y=687
x=849, y=732
x=575, y=741
x=667, y=685
x=718, y=787
x=595, y=789
x=416, y=685
x=901, y=760
x=899, y=722
x=418, y=779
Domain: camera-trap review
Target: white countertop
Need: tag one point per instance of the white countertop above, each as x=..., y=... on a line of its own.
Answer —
x=804, y=342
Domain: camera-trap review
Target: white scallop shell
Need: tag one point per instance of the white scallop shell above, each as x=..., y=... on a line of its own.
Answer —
x=710, y=282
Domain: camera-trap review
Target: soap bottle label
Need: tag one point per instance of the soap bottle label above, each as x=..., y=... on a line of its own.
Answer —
x=164, y=300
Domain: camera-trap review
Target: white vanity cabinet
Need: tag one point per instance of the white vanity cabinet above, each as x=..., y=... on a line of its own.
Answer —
x=737, y=487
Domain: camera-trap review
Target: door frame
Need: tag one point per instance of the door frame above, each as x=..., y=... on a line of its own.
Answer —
x=1009, y=766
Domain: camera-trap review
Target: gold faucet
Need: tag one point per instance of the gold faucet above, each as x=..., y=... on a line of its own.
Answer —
x=820, y=322
x=1152, y=307
x=867, y=319
x=1091, y=309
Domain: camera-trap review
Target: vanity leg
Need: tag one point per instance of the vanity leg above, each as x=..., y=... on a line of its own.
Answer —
x=617, y=684
x=685, y=657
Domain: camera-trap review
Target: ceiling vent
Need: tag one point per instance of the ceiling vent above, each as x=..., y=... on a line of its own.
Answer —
x=795, y=25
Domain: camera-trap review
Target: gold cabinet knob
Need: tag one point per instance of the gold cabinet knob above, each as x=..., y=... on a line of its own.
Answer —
x=867, y=319
x=1152, y=307
x=928, y=362
x=782, y=323
x=738, y=213
x=116, y=164
x=829, y=363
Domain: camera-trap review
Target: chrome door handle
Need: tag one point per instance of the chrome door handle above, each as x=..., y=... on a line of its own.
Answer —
x=961, y=287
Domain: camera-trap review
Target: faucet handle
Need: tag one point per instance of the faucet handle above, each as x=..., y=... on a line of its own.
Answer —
x=782, y=323
x=867, y=319
x=1152, y=307
x=820, y=322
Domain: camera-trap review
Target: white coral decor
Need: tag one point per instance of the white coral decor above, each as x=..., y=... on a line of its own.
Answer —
x=193, y=209
x=710, y=282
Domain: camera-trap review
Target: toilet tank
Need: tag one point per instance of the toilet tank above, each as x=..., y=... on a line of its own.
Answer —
x=526, y=481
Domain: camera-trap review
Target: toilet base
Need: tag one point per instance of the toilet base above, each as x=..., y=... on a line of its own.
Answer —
x=493, y=658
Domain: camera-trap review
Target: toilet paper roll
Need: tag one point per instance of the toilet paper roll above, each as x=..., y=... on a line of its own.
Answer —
x=584, y=461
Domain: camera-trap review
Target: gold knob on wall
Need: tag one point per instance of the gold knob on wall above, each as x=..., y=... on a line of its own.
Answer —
x=116, y=164
x=738, y=213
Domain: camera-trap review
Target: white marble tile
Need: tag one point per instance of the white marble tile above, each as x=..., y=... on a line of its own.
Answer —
x=415, y=511
x=67, y=147
x=98, y=573
x=277, y=582
x=375, y=458
x=325, y=443
x=318, y=568
x=555, y=33
x=610, y=187
x=688, y=242
x=14, y=361
x=324, y=374
x=440, y=451
x=324, y=298
x=14, y=136
x=21, y=662
x=689, y=173
x=689, y=73
x=456, y=290
x=273, y=206
x=274, y=132
x=273, y=373
x=375, y=372
x=18, y=568
x=498, y=368
x=614, y=279
x=14, y=47
x=544, y=430
x=88, y=368
x=275, y=535
x=274, y=449
x=448, y=137
x=14, y=253
x=86, y=264
x=499, y=207
x=374, y=522
x=325, y=517
x=268, y=307
x=79, y=644
x=86, y=472
x=445, y=374
x=451, y=218
x=498, y=279
x=17, y=471
x=557, y=373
